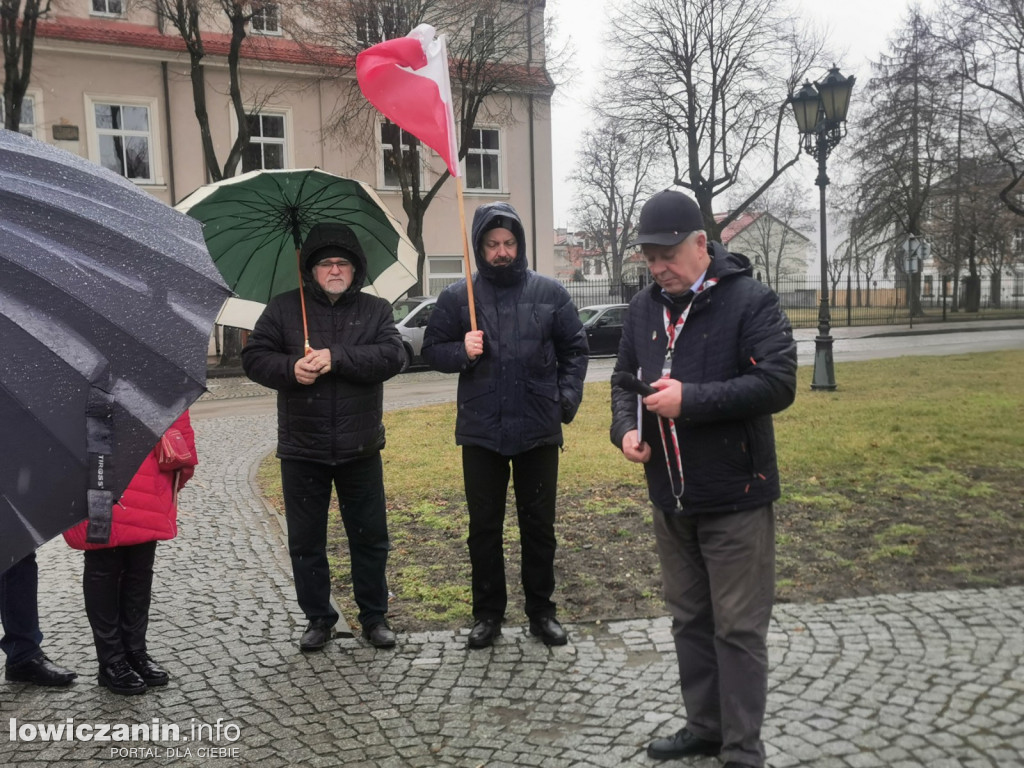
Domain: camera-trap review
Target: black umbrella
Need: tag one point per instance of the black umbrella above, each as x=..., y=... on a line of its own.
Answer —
x=107, y=301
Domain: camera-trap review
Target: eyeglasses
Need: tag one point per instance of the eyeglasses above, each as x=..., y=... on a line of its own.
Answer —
x=330, y=264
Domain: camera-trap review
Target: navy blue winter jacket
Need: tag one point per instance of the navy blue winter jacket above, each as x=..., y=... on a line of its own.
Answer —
x=736, y=359
x=529, y=379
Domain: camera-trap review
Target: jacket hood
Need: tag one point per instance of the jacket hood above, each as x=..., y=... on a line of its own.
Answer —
x=726, y=263
x=484, y=220
x=337, y=236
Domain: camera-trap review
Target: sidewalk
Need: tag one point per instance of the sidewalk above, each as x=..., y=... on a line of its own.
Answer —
x=933, y=679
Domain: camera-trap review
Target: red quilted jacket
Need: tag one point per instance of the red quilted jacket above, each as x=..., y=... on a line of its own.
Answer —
x=146, y=511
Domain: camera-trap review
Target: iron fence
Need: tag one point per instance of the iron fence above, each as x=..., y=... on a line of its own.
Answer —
x=883, y=302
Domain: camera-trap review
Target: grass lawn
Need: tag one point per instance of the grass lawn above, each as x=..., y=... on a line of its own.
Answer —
x=908, y=477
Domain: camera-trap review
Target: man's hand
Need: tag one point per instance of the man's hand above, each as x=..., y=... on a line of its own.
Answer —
x=667, y=402
x=633, y=449
x=310, y=367
x=474, y=344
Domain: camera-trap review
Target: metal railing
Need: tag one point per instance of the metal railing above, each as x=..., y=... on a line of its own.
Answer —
x=884, y=302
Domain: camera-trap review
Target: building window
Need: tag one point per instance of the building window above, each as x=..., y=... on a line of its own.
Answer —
x=396, y=152
x=928, y=287
x=483, y=160
x=483, y=34
x=382, y=21
x=266, y=19
x=125, y=140
x=442, y=271
x=107, y=7
x=27, y=124
x=266, y=149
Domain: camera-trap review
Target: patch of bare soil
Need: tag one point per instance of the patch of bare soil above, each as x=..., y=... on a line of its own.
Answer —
x=607, y=566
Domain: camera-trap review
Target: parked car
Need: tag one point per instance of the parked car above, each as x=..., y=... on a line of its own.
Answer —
x=411, y=315
x=603, y=324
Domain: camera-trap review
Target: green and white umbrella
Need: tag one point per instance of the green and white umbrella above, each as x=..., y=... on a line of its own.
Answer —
x=255, y=224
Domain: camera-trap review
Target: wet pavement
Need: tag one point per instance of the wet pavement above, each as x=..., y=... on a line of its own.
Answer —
x=929, y=679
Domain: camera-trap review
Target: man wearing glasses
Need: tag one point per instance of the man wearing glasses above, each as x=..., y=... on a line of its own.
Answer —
x=329, y=424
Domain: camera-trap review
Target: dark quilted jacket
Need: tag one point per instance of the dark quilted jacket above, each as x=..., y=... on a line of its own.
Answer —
x=338, y=417
x=529, y=380
x=736, y=359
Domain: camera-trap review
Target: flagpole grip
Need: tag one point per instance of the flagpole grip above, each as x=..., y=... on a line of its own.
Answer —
x=302, y=301
x=465, y=253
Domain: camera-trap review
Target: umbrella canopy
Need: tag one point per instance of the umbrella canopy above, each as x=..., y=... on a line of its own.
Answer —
x=107, y=302
x=255, y=223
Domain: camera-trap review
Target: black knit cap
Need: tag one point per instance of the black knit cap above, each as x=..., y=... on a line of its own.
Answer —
x=667, y=219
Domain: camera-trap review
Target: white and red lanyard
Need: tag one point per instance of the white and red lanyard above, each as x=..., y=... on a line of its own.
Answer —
x=672, y=331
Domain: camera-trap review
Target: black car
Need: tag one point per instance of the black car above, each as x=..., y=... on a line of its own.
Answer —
x=603, y=324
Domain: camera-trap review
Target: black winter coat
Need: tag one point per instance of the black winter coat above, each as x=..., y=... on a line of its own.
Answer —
x=529, y=379
x=736, y=359
x=338, y=417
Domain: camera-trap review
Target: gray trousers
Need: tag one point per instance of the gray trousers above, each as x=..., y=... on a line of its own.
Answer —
x=718, y=573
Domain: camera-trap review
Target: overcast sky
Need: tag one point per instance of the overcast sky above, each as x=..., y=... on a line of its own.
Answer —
x=860, y=29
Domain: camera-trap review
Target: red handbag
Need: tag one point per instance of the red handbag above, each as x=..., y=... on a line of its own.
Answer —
x=173, y=452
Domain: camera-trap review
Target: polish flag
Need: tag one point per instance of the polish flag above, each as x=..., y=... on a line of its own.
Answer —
x=406, y=79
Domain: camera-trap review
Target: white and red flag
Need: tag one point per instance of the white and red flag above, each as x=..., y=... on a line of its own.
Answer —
x=406, y=79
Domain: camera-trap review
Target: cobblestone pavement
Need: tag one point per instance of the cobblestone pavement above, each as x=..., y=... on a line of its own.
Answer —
x=906, y=680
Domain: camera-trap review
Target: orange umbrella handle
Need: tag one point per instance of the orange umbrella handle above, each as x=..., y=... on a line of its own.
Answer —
x=465, y=253
x=302, y=301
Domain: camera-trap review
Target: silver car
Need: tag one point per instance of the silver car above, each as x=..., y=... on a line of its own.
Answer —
x=411, y=315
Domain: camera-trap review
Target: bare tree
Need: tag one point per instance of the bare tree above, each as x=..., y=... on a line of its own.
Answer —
x=612, y=176
x=772, y=234
x=496, y=55
x=713, y=76
x=898, y=169
x=988, y=37
x=19, y=43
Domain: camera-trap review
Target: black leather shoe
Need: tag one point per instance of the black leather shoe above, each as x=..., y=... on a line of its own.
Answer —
x=40, y=671
x=152, y=673
x=483, y=633
x=380, y=635
x=120, y=678
x=548, y=630
x=682, y=744
x=315, y=637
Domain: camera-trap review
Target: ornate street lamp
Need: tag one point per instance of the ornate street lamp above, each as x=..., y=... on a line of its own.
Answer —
x=820, y=110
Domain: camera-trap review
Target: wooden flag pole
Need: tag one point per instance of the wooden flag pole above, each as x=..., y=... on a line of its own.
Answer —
x=465, y=253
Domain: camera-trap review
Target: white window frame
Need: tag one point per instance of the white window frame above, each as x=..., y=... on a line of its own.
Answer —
x=93, y=11
x=285, y=142
x=447, y=276
x=259, y=12
x=27, y=128
x=383, y=148
x=476, y=154
x=93, y=132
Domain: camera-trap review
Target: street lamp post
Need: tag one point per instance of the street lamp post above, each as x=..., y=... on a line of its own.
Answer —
x=820, y=110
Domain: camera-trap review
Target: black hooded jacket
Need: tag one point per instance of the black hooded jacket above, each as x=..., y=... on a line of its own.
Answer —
x=529, y=379
x=736, y=359
x=338, y=417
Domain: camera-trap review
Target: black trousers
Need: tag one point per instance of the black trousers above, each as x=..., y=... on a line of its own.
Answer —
x=306, y=487
x=118, y=586
x=535, y=479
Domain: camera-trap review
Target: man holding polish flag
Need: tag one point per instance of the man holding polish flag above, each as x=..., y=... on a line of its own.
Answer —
x=407, y=80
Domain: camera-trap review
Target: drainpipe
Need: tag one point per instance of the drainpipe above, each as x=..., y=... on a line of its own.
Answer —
x=529, y=112
x=170, y=141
